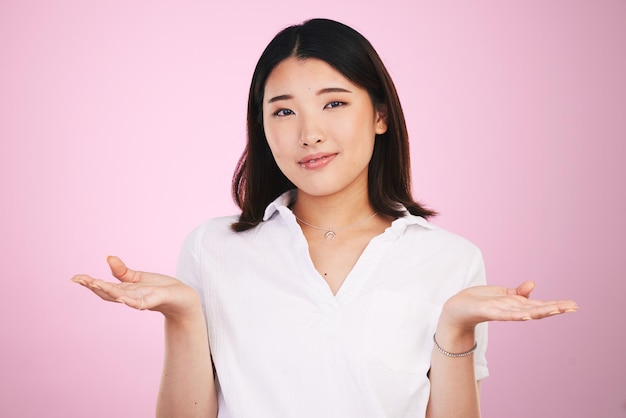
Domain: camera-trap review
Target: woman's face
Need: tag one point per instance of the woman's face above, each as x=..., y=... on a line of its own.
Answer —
x=320, y=127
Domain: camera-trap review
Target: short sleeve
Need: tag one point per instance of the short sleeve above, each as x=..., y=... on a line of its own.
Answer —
x=477, y=277
x=189, y=264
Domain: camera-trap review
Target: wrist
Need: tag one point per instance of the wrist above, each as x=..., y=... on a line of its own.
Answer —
x=455, y=339
x=456, y=316
x=448, y=353
x=181, y=317
x=183, y=328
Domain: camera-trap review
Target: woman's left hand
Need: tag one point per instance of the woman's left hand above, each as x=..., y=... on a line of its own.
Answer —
x=478, y=304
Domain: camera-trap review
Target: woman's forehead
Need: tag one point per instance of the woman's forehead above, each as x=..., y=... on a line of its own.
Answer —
x=293, y=75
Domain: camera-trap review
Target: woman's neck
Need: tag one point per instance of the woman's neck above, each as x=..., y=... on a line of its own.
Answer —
x=332, y=211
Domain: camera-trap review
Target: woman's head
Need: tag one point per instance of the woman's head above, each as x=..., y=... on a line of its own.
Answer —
x=258, y=180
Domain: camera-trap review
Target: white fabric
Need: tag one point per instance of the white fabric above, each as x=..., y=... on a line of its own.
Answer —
x=285, y=347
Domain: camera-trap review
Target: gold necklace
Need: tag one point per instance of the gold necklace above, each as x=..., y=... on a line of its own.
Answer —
x=330, y=232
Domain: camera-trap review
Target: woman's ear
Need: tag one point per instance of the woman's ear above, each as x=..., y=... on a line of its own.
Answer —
x=381, y=118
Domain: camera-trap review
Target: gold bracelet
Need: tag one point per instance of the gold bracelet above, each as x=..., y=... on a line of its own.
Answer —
x=449, y=354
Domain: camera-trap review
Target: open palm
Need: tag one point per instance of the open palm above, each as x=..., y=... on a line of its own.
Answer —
x=478, y=304
x=143, y=290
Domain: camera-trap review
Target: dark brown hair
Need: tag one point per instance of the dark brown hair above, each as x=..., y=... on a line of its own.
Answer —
x=258, y=180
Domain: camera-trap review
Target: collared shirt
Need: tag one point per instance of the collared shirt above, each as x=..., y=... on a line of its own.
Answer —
x=284, y=346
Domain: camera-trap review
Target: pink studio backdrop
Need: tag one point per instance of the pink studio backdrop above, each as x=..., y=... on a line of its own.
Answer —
x=121, y=122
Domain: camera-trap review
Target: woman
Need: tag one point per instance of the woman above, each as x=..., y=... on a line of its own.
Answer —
x=330, y=295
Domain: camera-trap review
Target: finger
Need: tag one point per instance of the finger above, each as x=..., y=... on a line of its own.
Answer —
x=565, y=306
x=569, y=306
x=547, y=309
x=114, y=291
x=523, y=289
x=81, y=279
x=120, y=271
x=87, y=281
x=138, y=303
x=98, y=287
x=503, y=314
x=523, y=304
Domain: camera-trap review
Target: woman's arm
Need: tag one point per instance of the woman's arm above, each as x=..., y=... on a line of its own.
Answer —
x=187, y=384
x=453, y=388
x=454, y=391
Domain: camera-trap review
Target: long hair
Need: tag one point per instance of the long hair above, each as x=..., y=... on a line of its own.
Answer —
x=258, y=180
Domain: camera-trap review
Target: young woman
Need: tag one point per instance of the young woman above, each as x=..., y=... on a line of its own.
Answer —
x=330, y=295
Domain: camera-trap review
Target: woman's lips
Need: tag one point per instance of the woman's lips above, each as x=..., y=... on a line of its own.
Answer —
x=312, y=162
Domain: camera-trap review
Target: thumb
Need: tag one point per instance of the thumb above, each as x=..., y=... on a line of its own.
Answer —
x=526, y=288
x=120, y=271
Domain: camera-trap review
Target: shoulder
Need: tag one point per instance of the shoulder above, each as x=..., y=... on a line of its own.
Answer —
x=452, y=260
x=213, y=230
x=419, y=233
x=220, y=225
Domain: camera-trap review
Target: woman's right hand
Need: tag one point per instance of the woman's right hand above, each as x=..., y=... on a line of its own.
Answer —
x=142, y=290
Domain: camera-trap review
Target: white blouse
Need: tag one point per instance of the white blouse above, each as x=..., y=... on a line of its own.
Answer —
x=284, y=346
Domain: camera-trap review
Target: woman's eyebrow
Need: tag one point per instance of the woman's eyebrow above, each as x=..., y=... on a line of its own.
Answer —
x=320, y=92
x=333, y=90
x=281, y=97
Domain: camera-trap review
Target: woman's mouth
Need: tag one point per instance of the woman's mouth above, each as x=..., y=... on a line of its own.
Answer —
x=312, y=162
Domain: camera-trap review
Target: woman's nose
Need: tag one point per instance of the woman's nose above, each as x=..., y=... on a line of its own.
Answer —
x=311, y=132
x=310, y=141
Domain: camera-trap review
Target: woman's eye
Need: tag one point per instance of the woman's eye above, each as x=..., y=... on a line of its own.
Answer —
x=283, y=112
x=334, y=104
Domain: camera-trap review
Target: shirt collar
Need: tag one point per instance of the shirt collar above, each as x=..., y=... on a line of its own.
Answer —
x=403, y=222
x=281, y=204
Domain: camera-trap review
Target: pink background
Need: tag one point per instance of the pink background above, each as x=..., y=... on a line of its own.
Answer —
x=121, y=122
